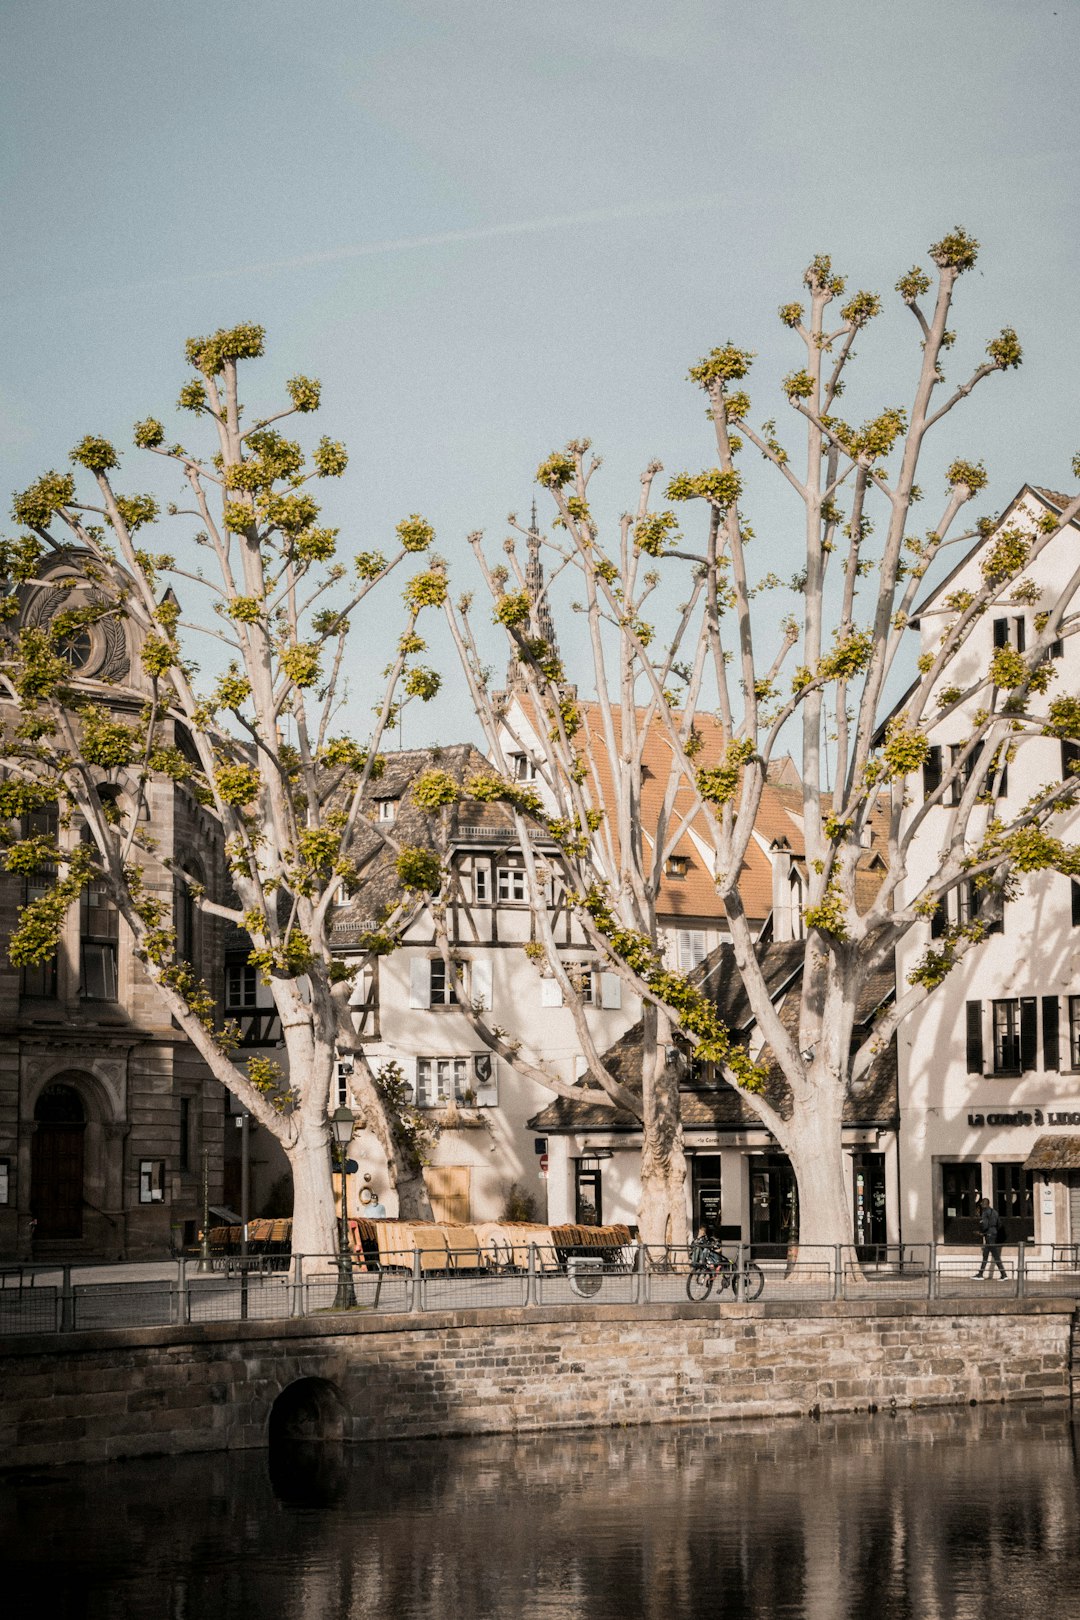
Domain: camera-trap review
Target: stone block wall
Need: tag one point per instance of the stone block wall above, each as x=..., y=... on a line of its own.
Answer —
x=213, y=1386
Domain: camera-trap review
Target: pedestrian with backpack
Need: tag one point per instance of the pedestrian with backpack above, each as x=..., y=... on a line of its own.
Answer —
x=990, y=1227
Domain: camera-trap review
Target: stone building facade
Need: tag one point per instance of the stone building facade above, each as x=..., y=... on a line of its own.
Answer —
x=105, y=1109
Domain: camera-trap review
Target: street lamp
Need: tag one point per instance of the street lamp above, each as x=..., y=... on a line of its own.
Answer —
x=342, y=1125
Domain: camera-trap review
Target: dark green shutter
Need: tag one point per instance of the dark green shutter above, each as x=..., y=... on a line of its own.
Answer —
x=931, y=772
x=974, y=1038
x=1050, y=1010
x=1029, y=1033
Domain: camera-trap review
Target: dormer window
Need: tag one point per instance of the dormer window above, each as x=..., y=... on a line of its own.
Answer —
x=388, y=809
x=524, y=768
x=677, y=866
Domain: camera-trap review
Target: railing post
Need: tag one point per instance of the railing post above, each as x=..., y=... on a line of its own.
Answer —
x=243, y=1292
x=639, y=1274
x=838, y=1272
x=415, y=1283
x=298, y=1285
x=932, y=1276
x=67, y=1302
x=1021, y=1261
x=178, y=1313
x=530, y=1290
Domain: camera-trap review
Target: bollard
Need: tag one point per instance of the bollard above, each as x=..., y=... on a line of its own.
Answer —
x=67, y=1303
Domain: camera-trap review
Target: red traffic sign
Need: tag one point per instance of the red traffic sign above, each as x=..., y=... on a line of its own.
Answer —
x=543, y=1164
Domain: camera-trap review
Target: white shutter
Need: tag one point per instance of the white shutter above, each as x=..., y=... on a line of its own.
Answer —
x=423, y=1087
x=550, y=993
x=419, y=982
x=481, y=983
x=485, y=1080
x=610, y=990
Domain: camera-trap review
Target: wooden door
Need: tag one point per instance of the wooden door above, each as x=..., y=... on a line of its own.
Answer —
x=56, y=1185
x=448, y=1189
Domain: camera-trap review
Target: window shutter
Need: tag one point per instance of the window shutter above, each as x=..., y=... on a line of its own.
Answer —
x=485, y=1080
x=1029, y=1055
x=550, y=993
x=1075, y=903
x=412, y=1075
x=1001, y=632
x=1021, y=634
x=974, y=1038
x=1070, y=756
x=1051, y=1054
x=481, y=982
x=610, y=990
x=931, y=772
x=419, y=982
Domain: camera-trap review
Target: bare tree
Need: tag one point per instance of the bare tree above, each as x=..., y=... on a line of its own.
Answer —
x=717, y=683
x=259, y=746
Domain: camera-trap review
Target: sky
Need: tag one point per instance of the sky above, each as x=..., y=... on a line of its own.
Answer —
x=489, y=226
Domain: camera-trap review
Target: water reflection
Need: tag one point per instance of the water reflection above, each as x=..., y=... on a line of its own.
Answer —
x=940, y=1514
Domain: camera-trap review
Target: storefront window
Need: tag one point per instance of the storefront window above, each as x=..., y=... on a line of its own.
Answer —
x=868, y=1190
x=961, y=1189
x=1014, y=1200
x=588, y=1202
x=774, y=1202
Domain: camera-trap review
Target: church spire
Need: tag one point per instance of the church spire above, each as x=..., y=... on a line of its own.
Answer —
x=534, y=585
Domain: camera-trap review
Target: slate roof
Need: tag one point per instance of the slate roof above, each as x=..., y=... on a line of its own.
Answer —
x=873, y=1102
x=1054, y=1153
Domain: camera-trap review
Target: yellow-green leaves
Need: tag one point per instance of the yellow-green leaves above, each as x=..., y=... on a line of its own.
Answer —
x=848, y=657
x=237, y=517
x=913, y=284
x=860, y=308
x=513, y=609
x=305, y=393
x=557, y=470
x=1063, y=718
x=798, y=385
x=791, y=314
x=245, y=609
x=330, y=458
x=192, y=397
x=209, y=354
x=434, y=789
x=149, y=434
x=1006, y=557
x=830, y=917
x=1005, y=350
x=724, y=365
x=719, y=487
x=157, y=656
x=237, y=784
x=137, y=510
x=36, y=505
x=425, y=590
x=957, y=251
x=415, y=533
x=652, y=532
x=720, y=785
x=967, y=474
x=369, y=564
x=301, y=664
x=419, y=870
x=422, y=683
x=905, y=749
x=819, y=277
x=106, y=742
x=96, y=455
x=233, y=689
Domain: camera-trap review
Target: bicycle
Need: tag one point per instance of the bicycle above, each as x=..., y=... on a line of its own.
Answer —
x=709, y=1264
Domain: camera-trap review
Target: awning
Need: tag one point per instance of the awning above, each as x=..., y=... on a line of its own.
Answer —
x=1054, y=1153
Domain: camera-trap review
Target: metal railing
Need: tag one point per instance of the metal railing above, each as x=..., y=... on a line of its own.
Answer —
x=53, y=1299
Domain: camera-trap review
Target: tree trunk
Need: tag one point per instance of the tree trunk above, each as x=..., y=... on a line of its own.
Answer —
x=814, y=1148
x=413, y=1201
x=662, y=1210
x=314, y=1222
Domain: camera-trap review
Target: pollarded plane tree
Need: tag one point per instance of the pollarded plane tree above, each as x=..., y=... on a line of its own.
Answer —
x=258, y=745
x=727, y=699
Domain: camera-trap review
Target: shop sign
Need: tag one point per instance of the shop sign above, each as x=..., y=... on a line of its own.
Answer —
x=1033, y=1116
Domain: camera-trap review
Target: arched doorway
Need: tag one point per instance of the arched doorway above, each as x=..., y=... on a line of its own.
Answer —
x=56, y=1178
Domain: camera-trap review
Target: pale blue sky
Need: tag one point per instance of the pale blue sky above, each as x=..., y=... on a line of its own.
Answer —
x=489, y=225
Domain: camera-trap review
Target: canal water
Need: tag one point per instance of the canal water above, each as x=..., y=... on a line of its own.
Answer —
x=951, y=1514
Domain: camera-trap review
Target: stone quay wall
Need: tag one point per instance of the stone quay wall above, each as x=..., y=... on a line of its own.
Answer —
x=213, y=1386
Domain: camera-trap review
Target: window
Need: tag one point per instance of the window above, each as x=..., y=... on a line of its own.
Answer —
x=677, y=866
x=1074, y=1032
x=961, y=1189
x=582, y=977
x=481, y=884
x=186, y=918
x=1070, y=757
x=241, y=986
x=524, y=768
x=1010, y=632
x=388, y=809
x=692, y=948
x=1014, y=1200
x=588, y=1198
x=511, y=883
x=440, y=1080
x=151, y=1181
x=99, y=927
x=1015, y=1035
x=39, y=978
x=443, y=993
x=187, y=1139
x=343, y=1069
x=931, y=774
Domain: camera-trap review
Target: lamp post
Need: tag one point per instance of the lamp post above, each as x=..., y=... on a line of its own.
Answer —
x=205, y=1264
x=342, y=1125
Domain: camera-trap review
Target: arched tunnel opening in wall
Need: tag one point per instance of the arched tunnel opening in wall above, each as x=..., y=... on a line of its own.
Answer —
x=309, y=1410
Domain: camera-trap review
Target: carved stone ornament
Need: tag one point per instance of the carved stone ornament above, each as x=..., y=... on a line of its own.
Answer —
x=103, y=655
